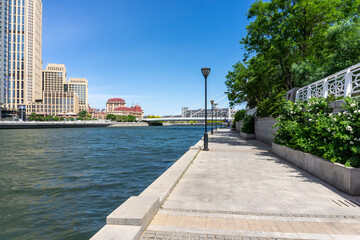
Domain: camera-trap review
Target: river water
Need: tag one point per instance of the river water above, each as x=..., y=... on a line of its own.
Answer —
x=62, y=183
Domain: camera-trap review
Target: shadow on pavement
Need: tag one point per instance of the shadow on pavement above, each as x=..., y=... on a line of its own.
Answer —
x=232, y=138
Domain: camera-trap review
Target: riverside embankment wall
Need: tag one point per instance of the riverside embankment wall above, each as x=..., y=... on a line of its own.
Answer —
x=75, y=124
x=264, y=130
x=129, y=124
x=130, y=219
x=35, y=125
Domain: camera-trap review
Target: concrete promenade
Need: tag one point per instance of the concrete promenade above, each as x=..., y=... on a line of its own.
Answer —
x=240, y=190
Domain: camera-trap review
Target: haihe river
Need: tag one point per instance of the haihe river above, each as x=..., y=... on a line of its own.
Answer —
x=62, y=183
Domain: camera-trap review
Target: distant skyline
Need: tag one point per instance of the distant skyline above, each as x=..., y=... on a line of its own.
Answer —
x=146, y=53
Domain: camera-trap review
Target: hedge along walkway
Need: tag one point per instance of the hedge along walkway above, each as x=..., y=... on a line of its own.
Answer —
x=240, y=190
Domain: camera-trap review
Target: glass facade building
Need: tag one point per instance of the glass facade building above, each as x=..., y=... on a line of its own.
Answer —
x=20, y=52
x=80, y=87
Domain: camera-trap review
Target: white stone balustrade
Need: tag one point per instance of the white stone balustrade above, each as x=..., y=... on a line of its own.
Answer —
x=345, y=83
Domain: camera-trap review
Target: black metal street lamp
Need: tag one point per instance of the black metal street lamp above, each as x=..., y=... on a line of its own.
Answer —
x=221, y=122
x=212, y=116
x=206, y=72
x=216, y=111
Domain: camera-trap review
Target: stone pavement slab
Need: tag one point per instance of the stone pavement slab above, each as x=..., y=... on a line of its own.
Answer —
x=240, y=190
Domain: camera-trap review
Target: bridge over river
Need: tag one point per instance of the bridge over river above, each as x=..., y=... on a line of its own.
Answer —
x=178, y=119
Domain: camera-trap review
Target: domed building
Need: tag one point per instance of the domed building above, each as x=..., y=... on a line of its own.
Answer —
x=116, y=106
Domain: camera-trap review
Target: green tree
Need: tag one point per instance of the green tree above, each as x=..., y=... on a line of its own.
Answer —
x=287, y=40
x=340, y=50
x=120, y=118
x=33, y=117
x=83, y=114
x=239, y=115
x=131, y=118
x=111, y=117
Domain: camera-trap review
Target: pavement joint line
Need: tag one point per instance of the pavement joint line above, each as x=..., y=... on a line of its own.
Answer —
x=257, y=225
x=156, y=235
x=248, y=235
x=260, y=214
x=257, y=217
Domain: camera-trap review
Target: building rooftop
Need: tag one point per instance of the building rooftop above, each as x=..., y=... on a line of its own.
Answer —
x=115, y=100
x=136, y=108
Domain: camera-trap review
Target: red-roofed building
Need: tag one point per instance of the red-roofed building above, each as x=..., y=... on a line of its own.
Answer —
x=116, y=106
x=114, y=103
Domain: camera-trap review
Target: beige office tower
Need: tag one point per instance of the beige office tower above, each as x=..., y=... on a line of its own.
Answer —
x=80, y=87
x=20, y=46
x=54, y=77
x=56, y=100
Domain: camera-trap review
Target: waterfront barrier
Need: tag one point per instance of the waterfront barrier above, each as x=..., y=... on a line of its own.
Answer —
x=131, y=218
x=68, y=124
x=129, y=124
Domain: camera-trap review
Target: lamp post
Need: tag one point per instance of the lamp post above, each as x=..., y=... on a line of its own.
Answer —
x=216, y=110
x=212, y=117
x=206, y=72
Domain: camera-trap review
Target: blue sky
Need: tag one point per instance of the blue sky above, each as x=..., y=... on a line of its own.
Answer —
x=146, y=51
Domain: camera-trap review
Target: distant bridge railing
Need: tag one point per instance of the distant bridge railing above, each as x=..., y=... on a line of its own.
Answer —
x=182, y=119
x=345, y=83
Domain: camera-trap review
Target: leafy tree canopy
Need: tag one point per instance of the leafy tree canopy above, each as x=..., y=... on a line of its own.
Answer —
x=292, y=43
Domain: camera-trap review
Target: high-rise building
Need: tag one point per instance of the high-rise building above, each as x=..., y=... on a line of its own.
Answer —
x=56, y=99
x=80, y=87
x=54, y=77
x=20, y=52
x=22, y=80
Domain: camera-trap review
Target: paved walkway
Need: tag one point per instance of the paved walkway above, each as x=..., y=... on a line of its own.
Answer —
x=240, y=190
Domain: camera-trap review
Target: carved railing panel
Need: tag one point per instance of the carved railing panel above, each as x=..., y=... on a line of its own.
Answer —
x=345, y=83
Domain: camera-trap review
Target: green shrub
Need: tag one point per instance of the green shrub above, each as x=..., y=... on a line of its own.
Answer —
x=248, y=125
x=270, y=106
x=312, y=128
x=129, y=118
x=33, y=117
x=111, y=117
x=239, y=115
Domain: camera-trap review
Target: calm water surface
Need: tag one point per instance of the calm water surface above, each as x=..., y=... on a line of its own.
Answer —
x=62, y=183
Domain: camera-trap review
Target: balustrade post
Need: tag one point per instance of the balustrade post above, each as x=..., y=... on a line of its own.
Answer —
x=308, y=93
x=348, y=84
x=297, y=95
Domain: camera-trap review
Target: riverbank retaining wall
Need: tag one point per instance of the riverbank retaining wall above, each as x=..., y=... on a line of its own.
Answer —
x=129, y=124
x=36, y=125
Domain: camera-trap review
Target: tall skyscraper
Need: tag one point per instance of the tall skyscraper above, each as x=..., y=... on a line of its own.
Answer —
x=20, y=52
x=80, y=87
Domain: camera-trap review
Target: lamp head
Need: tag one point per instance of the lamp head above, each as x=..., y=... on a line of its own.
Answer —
x=205, y=72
